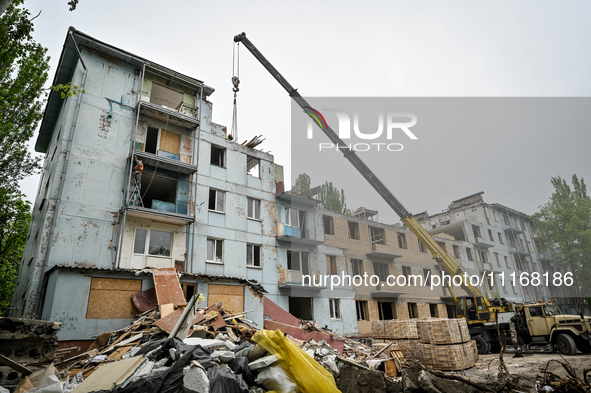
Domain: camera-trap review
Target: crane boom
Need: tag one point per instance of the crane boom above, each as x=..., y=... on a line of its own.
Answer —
x=446, y=262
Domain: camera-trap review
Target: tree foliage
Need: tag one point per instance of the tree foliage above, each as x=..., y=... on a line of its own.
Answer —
x=15, y=217
x=302, y=183
x=23, y=72
x=331, y=198
x=563, y=225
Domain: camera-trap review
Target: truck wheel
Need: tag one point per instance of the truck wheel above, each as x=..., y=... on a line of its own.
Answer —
x=566, y=344
x=482, y=345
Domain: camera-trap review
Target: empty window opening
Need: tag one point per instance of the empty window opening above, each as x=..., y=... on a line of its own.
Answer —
x=483, y=256
x=216, y=200
x=377, y=235
x=357, y=265
x=253, y=209
x=476, y=231
x=215, y=250
x=253, y=167
x=451, y=311
x=301, y=307
x=427, y=276
x=163, y=143
x=159, y=192
x=386, y=311
x=380, y=270
x=507, y=262
x=422, y=247
x=501, y=238
x=298, y=261
x=469, y=254
x=152, y=140
x=362, y=310
x=328, y=225
x=456, y=251
x=165, y=96
x=335, y=308
x=189, y=290
x=498, y=260
x=253, y=255
x=331, y=264
x=490, y=236
x=433, y=310
x=353, y=230
x=406, y=272
x=443, y=246
x=218, y=156
x=402, y=241
x=413, y=310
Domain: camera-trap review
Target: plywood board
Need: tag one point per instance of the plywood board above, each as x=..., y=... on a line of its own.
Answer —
x=111, y=298
x=232, y=296
x=170, y=142
x=168, y=287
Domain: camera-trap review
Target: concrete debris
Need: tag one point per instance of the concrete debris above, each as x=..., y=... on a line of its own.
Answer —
x=195, y=379
x=223, y=356
x=263, y=362
x=276, y=379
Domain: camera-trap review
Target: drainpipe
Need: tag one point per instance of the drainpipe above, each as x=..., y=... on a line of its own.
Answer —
x=70, y=138
x=130, y=163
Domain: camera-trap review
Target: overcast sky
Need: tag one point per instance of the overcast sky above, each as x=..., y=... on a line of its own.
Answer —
x=370, y=49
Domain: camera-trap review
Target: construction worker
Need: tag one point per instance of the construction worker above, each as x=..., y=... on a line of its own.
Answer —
x=137, y=174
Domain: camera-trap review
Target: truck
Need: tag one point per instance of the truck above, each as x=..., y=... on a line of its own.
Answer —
x=479, y=311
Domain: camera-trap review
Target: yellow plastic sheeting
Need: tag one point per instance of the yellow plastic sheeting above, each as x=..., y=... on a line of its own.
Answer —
x=307, y=373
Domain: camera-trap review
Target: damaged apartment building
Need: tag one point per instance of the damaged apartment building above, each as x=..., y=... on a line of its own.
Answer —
x=502, y=241
x=201, y=203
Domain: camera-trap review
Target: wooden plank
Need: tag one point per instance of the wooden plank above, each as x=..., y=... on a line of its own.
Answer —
x=168, y=287
x=145, y=300
x=278, y=314
x=14, y=365
x=166, y=309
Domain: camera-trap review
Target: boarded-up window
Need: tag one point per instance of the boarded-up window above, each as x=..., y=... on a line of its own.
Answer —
x=232, y=296
x=170, y=142
x=110, y=298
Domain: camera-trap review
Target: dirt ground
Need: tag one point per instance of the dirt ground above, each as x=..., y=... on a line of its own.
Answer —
x=528, y=368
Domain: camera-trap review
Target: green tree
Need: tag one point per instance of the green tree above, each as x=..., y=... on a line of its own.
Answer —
x=23, y=72
x=563, y=225
x=14, y=226
x=333, y=199
x=302, y=184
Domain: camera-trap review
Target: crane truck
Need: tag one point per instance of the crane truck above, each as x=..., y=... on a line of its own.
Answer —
x=476, y=308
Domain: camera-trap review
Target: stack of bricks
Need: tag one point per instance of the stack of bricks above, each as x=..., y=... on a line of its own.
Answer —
x=402, y=333
x=445, y=344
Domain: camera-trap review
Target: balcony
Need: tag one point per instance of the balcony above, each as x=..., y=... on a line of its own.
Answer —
x=511, y=229
x=519, y=251
x=382, y=251
x=483, y=244
x=296, y=236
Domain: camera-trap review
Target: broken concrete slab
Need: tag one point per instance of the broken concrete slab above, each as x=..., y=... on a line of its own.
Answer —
x=276, y=379
x=195, y=379
x=263, y=362
x=223, y=356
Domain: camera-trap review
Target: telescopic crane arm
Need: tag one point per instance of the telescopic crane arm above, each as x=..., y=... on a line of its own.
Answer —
x=446, y=262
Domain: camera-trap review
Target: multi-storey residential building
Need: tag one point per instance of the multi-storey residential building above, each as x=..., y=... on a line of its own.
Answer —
x=202, y=203
x=372, y=248
x=504, y=243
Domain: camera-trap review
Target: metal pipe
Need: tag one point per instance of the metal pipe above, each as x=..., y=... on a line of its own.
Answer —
x=195, y=159
x=63, y=177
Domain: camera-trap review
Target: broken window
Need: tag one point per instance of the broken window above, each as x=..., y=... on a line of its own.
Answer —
x=331, y=264
x=292, y=217
x=328, y=225
x=253, y=209
x=163, y=190
x=298, y=261
x=476, y=231
x=253, y=255
x=501, y=238
x=215, y=250
x=253, y=166
x=377, y=235
x=216, y=200
x=357, y=267
x=422, y=247
x=362, y=310
x=413, y=310
x=380, y=270
x=163, y=143
x=353, y=230
x=427, y=276
x=335, y=308
x=433, y=310
x=402, y=241
x=469, y=254
x=442, y=245
x=301, y=307
x=386, y=311
x=456, y=251
x=218, y=156
x=157, y=243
